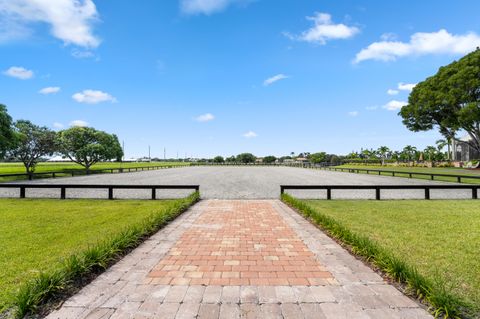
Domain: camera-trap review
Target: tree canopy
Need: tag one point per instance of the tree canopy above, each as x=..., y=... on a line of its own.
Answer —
x=218, y=159
x=31, y=143
x=449, y=101
x=246, y=158
x=269, y=159
x=6, y=131
x=87, y=146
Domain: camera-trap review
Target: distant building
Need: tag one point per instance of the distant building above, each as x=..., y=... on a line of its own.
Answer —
x=463, y=152
x=259, y=160
x=301, y=160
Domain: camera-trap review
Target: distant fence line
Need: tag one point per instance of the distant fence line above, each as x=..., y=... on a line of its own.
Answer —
x=396, y=173
x=80, y=172
x=110, y=187
x=378, y=188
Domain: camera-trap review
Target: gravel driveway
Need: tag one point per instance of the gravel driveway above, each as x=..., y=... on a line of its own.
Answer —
x=239, y=183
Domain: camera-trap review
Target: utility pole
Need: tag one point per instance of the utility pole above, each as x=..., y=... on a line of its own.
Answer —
x=164, y=153
x=123, y=149
x=149, y=157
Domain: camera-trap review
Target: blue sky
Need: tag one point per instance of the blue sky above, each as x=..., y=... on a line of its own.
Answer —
x=208, y=77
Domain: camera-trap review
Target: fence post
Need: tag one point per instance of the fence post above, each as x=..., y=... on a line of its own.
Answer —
x=459, y=179
x=427, y=192
x=110, y=193
x=53, y=175
x=329, y=193
x=22, y=192
x=377, y=193
x=432, y=176
x=410, y=175
x=62, y=193
x=282, y=190
x=154, y=193
x=474, y=192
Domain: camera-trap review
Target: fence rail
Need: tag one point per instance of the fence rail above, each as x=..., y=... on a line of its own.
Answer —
x=378, y=188
x=396, y=173
x=63, y=188
x=55, y=174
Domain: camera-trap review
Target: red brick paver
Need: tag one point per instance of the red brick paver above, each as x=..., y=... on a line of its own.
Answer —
x=240, y=243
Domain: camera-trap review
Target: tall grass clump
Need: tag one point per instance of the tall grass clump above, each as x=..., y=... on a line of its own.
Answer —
x=442, y=303
x=79, y=268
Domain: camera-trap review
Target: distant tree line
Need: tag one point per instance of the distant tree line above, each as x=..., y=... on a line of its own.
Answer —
x=27, y=142
x=409, y=153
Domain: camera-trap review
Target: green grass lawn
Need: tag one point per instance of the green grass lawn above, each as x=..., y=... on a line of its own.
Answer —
x=13, y=168
x=433, y=170
x=440, y=238
x=36, y=234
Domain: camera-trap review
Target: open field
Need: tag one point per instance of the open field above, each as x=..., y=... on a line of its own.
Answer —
x=36, y=234
x=222, y=182
x=18, y=168
x=439, y=238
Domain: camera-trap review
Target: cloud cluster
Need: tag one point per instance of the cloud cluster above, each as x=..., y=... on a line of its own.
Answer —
x=394, y=105
x=49, y=90
x=250, y=134
x=93, y=97
x=19, y=73
x=324, y=29
x=274, y=79
x=207, y=117
x=421, y=43
x=70, y=20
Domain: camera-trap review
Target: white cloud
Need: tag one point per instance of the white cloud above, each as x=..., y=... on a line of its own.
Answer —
x=371, y=108
x=394, y=105
x=250, y=134
x=82, y=54
x=49, y=90
x=58, y=125
x=392, y=92
x=19, y=73
x=353, y=113
x=324, y=29
x=70, y=20
x=79, y=123
x=421, y=43
x=205, y=117
x=93, y=97
x=204, y=6
x=274, y=79
x=406, y=86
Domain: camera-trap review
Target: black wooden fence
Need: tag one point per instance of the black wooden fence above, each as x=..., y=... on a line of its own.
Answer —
x=397, y=173
x=378, y=188
x=63, y=188
x=77, y=172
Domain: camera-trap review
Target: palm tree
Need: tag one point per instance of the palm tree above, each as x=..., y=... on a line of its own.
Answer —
x=430, y=151
x=441, y=145
x=383, y=151
x=410, y=151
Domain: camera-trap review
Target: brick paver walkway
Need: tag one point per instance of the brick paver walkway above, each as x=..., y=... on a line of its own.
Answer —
x=232, y=259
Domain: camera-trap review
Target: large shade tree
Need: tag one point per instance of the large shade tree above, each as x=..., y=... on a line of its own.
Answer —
x=449, y=101
x=6, y=131
x=31, y=143
x=87, y=146
x=246, y=158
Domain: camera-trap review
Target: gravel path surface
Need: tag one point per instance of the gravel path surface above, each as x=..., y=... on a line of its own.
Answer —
x=239, y=183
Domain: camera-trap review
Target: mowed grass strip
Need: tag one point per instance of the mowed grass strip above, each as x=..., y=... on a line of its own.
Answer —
x=441, y=239
x=14, y=168
x=403, y=172
x=37, y=235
